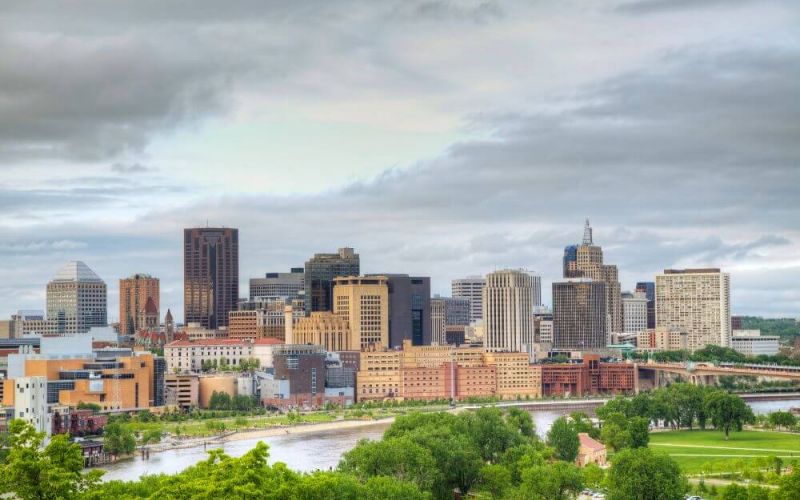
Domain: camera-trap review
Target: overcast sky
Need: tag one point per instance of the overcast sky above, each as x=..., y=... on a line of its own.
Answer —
x=440, y=138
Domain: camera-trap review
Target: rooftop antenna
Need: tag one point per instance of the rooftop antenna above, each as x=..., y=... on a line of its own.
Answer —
x=587, y=233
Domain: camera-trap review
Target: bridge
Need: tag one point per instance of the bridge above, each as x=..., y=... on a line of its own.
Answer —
x=702, y=372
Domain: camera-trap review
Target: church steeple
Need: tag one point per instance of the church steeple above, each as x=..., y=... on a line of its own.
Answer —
x=587, y=234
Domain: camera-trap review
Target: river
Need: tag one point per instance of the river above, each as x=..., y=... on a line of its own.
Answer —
x=312, y=451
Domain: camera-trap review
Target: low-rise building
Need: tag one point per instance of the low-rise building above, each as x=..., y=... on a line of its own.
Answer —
x=186, y=356
x=752, y=343
x=182, y=390
x=589, y=376
x=590, y=451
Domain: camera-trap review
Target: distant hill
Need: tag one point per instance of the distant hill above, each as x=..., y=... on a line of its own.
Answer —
x=786, y=328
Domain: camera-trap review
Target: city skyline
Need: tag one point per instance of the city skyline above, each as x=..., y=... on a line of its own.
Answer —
x=437, y=138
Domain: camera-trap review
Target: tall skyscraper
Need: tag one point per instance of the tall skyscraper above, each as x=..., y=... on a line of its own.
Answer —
x=320, y=272
x=409, y=309
x=649, y=290
x=634, y=312
x=210, y=275
x=696, y=301
x=447, y=311
x=134, y=292
x=278, y=284
x=508, y=311
x=76, y=300
x=364, y=302
x=588, y=263
x=579, y=314
x=470, y=288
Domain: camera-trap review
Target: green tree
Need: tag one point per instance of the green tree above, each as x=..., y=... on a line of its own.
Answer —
x=118, y=439
x=490, y=432
x=400, y=458
x=52, y=472
x=521, y=420
x=593, y=475
x=563, y=438
x=495, y=479
x=728, y=411
x=639, y=431
x=783, y=419
x=88, y=406
x=151, y=436
x=789, y=487
x=615, y=437
x=582, y=423
x=559, y=481
x=640, y=474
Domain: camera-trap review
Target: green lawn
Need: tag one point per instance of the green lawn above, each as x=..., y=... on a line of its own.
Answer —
x=708, y=451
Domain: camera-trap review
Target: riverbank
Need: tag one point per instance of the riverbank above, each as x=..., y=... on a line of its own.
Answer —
x=248, y=434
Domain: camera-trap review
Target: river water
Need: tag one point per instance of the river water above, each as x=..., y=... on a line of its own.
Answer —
x=312, y=451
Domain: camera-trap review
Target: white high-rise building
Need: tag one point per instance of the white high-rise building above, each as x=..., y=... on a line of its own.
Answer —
x=696, y=301
x=470, y=288
x=76, y=300
x=508, y=302
x=634, y=312
x=536, y=281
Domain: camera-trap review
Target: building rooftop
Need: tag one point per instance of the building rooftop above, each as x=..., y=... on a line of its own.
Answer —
x=705, y=270
x=588, y=442
x=204, y=342
x=268, y=341
x=77, y=271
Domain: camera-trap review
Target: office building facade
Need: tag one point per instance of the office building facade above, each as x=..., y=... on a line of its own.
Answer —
x=470, y=288
x=364, y=303
x=278, y=284
x=696, y=301
x=76, y=300
x=508, y=311
x=634, y=312
x=320, y=272
x=649, y=290
x=409, y=309
x=210, y=275
x=447, y=311
x=579, y=315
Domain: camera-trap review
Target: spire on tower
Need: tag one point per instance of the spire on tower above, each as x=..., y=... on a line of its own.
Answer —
x=587, y=233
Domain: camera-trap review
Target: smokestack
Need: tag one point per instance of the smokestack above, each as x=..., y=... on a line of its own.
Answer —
x=288, y=325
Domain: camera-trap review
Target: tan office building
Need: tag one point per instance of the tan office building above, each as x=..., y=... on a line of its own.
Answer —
x=364, y=303
x=696, y=301
x=329, y=330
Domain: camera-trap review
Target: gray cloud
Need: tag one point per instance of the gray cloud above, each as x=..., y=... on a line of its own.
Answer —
x=130, y=168
x=657, y=6
x=691, y=159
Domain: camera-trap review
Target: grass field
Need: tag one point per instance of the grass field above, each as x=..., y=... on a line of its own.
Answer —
x=707, y=451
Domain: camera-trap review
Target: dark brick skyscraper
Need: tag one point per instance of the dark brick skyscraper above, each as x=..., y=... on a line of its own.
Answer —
x=210, y=275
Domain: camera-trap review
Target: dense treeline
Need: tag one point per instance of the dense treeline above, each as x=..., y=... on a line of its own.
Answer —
x=682, y=406
x=716, y=354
